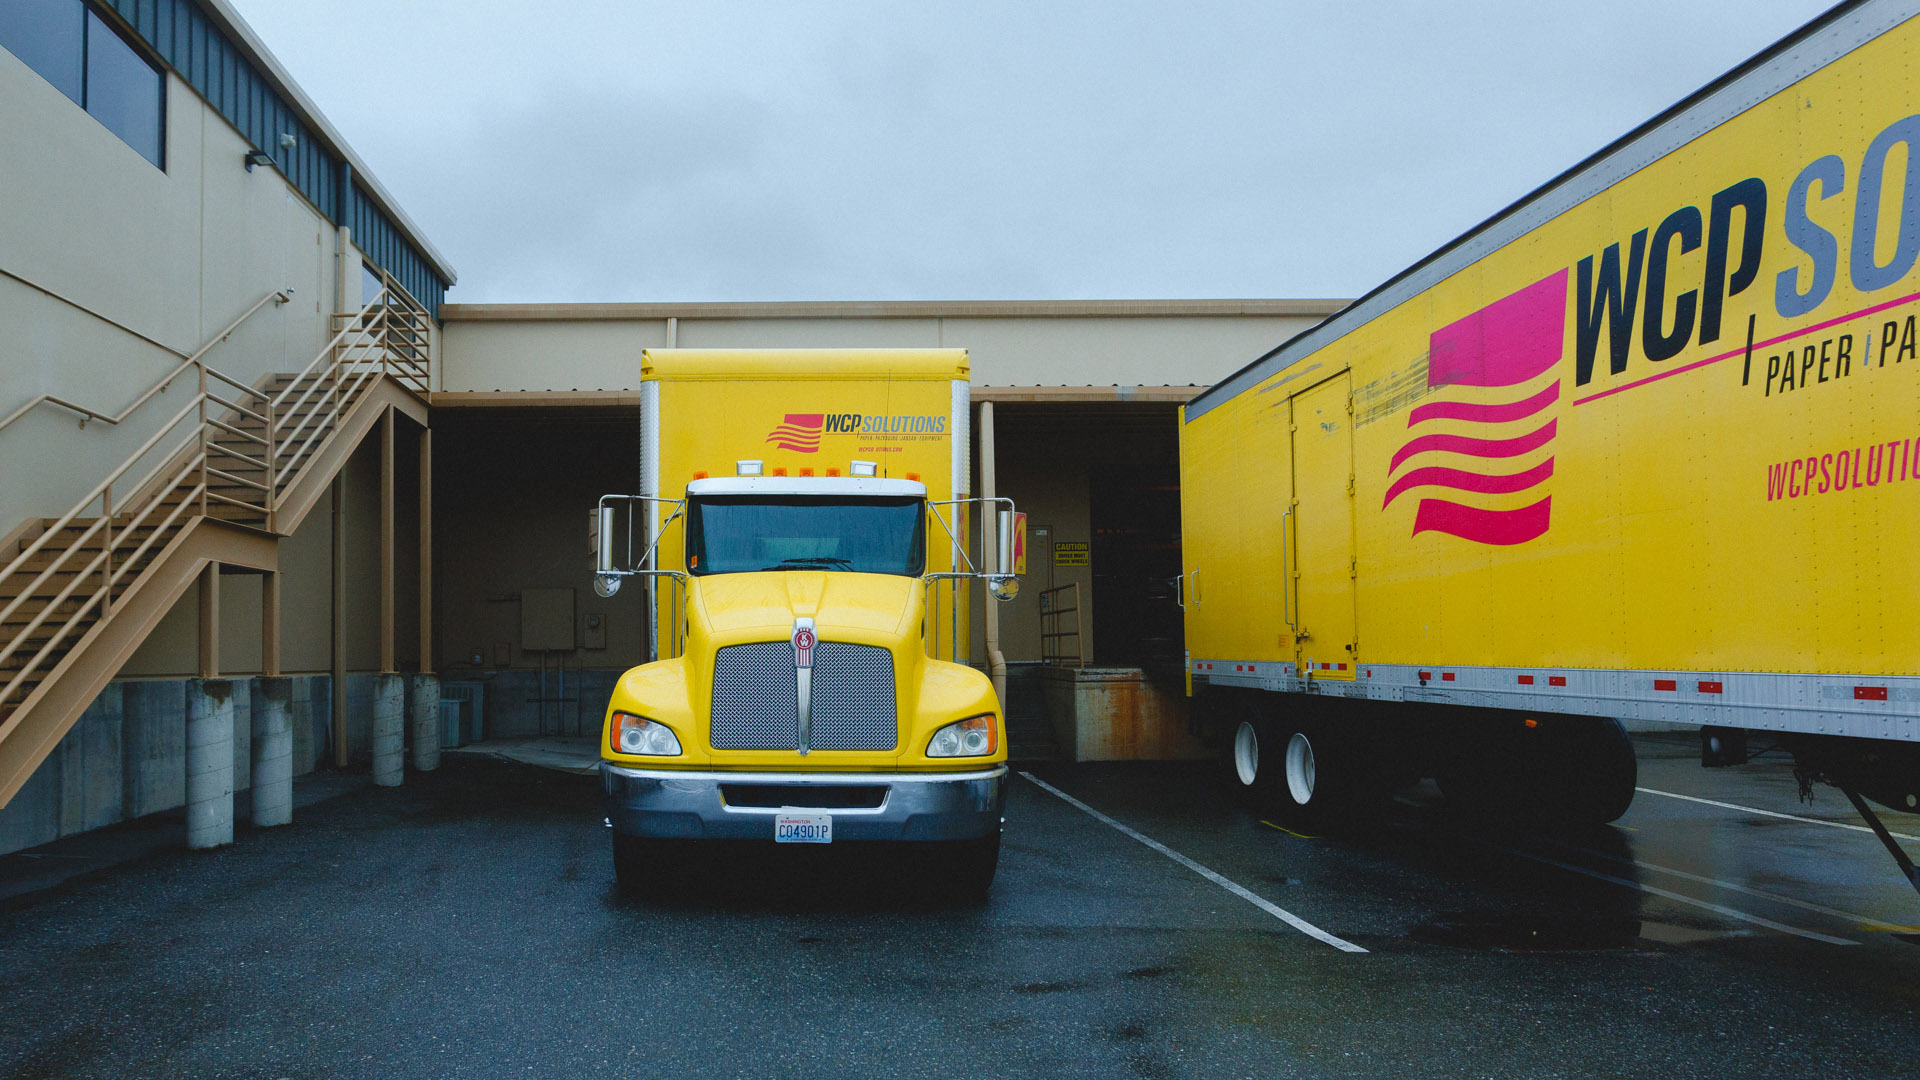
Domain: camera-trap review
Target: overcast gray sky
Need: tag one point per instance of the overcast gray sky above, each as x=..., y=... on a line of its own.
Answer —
x=981, y=150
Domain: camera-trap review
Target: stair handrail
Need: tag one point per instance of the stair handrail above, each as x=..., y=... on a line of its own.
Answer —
x=278, y=297
x=371, y=327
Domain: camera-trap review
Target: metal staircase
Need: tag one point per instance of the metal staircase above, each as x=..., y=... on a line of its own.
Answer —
x=221, y=480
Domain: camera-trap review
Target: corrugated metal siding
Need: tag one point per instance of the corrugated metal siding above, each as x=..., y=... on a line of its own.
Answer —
x=201, y=54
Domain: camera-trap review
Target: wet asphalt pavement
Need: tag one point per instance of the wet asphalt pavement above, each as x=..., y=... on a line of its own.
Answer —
x=466, y=925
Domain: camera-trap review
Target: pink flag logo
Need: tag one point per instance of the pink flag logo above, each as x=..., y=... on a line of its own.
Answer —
x=799, y=432
x=1506, y=345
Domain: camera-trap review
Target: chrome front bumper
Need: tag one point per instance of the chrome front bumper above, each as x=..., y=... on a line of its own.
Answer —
x=681, y=804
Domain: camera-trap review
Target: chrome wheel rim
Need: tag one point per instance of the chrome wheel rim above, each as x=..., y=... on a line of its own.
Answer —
x=1246, y=754
x=1301, y=771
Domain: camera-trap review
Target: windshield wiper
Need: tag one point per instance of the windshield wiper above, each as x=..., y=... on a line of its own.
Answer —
x=811, y=562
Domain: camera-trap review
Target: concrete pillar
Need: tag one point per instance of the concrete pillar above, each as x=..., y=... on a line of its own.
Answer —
x=209, y=763
x=272, y=751
x=423, y=704
x=389, y=729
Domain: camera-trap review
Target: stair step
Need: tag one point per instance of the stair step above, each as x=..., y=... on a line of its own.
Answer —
x=32, y=645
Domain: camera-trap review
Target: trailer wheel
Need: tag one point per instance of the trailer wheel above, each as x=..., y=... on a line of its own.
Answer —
x=1606, y=775
x=1332, y=776
x=1246, y=754
x=1256, y=760
x=1303, y=772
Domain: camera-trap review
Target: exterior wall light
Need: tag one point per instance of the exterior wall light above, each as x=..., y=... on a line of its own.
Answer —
x=257, y=157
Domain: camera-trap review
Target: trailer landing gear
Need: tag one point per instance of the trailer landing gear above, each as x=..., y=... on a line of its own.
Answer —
x=1899, y=854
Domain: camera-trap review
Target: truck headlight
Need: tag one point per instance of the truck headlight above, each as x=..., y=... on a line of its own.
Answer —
x=974, y=737
x=638, y=735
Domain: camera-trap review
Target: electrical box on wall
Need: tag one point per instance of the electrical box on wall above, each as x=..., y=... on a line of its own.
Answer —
x=546, y=620
x=595, y=635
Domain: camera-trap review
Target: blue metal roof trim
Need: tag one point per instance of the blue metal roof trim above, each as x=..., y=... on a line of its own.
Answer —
x=202, y=53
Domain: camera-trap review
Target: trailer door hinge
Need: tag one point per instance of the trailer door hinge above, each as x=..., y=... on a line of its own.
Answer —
x=1349, y=485
x=1353, y=568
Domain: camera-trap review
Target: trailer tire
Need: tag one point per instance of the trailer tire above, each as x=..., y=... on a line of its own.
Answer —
x=1565, y=770
x=1604, y=775
x=1256, y=760
x=1327, y=780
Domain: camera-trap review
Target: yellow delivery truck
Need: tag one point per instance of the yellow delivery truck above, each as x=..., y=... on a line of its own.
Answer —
x=802, y=532
x=1646, y=444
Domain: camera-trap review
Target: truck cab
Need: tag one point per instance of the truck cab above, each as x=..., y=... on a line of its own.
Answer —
x=803, y=705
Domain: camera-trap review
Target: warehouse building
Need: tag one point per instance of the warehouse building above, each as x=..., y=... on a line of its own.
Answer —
x=267, y=494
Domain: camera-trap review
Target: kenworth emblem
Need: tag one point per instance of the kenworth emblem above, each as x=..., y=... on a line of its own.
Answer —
x=803, y=642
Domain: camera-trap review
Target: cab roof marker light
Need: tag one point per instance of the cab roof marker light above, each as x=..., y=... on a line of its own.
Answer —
x=747, y=467
x=863, y=468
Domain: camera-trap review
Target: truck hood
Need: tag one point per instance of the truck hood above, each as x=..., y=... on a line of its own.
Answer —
x=767, y=603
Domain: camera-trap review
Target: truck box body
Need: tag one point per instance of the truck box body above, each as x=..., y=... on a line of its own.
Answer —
x=1644, y=445
x=804, y=412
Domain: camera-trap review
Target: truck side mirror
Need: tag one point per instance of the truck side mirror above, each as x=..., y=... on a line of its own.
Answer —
x=600, y=538
x=1010, y=555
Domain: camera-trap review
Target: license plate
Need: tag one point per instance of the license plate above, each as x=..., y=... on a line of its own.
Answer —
x=803, y=829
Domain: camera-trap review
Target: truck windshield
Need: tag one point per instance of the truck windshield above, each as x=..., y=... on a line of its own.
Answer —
x=738, y=534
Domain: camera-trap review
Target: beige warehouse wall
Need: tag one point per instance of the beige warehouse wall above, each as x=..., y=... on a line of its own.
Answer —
x=147, y=265
x=1101, y=343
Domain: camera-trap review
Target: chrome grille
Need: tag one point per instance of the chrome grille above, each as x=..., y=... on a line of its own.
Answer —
x=756, y=705
x=853, y=698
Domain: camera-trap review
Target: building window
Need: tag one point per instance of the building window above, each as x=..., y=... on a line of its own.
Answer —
x=50, y=37
x=370, y=285
x=77, y=51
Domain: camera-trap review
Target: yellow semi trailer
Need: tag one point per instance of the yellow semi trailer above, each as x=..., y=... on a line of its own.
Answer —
x=802, y=532
x=1646, y=444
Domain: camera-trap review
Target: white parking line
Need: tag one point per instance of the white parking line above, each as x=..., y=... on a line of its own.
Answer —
x=1850, y=916
x=1243, y=893
x=1678, y=898
x=1769, y=813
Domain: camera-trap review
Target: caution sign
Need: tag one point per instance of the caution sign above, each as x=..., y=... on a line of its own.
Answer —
x=1074, y=553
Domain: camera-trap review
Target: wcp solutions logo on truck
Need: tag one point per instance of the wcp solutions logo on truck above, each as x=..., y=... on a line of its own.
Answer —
x=1633, y=295
x=801, y=432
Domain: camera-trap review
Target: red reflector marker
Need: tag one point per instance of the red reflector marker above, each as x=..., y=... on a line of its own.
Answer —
x=1343, y=667
x=1869, y=693
x=1426, y=675
x=1446, y=676
x=1556, y=680
x=1526, y=680
x=1665, y=684
x=1710, y=688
